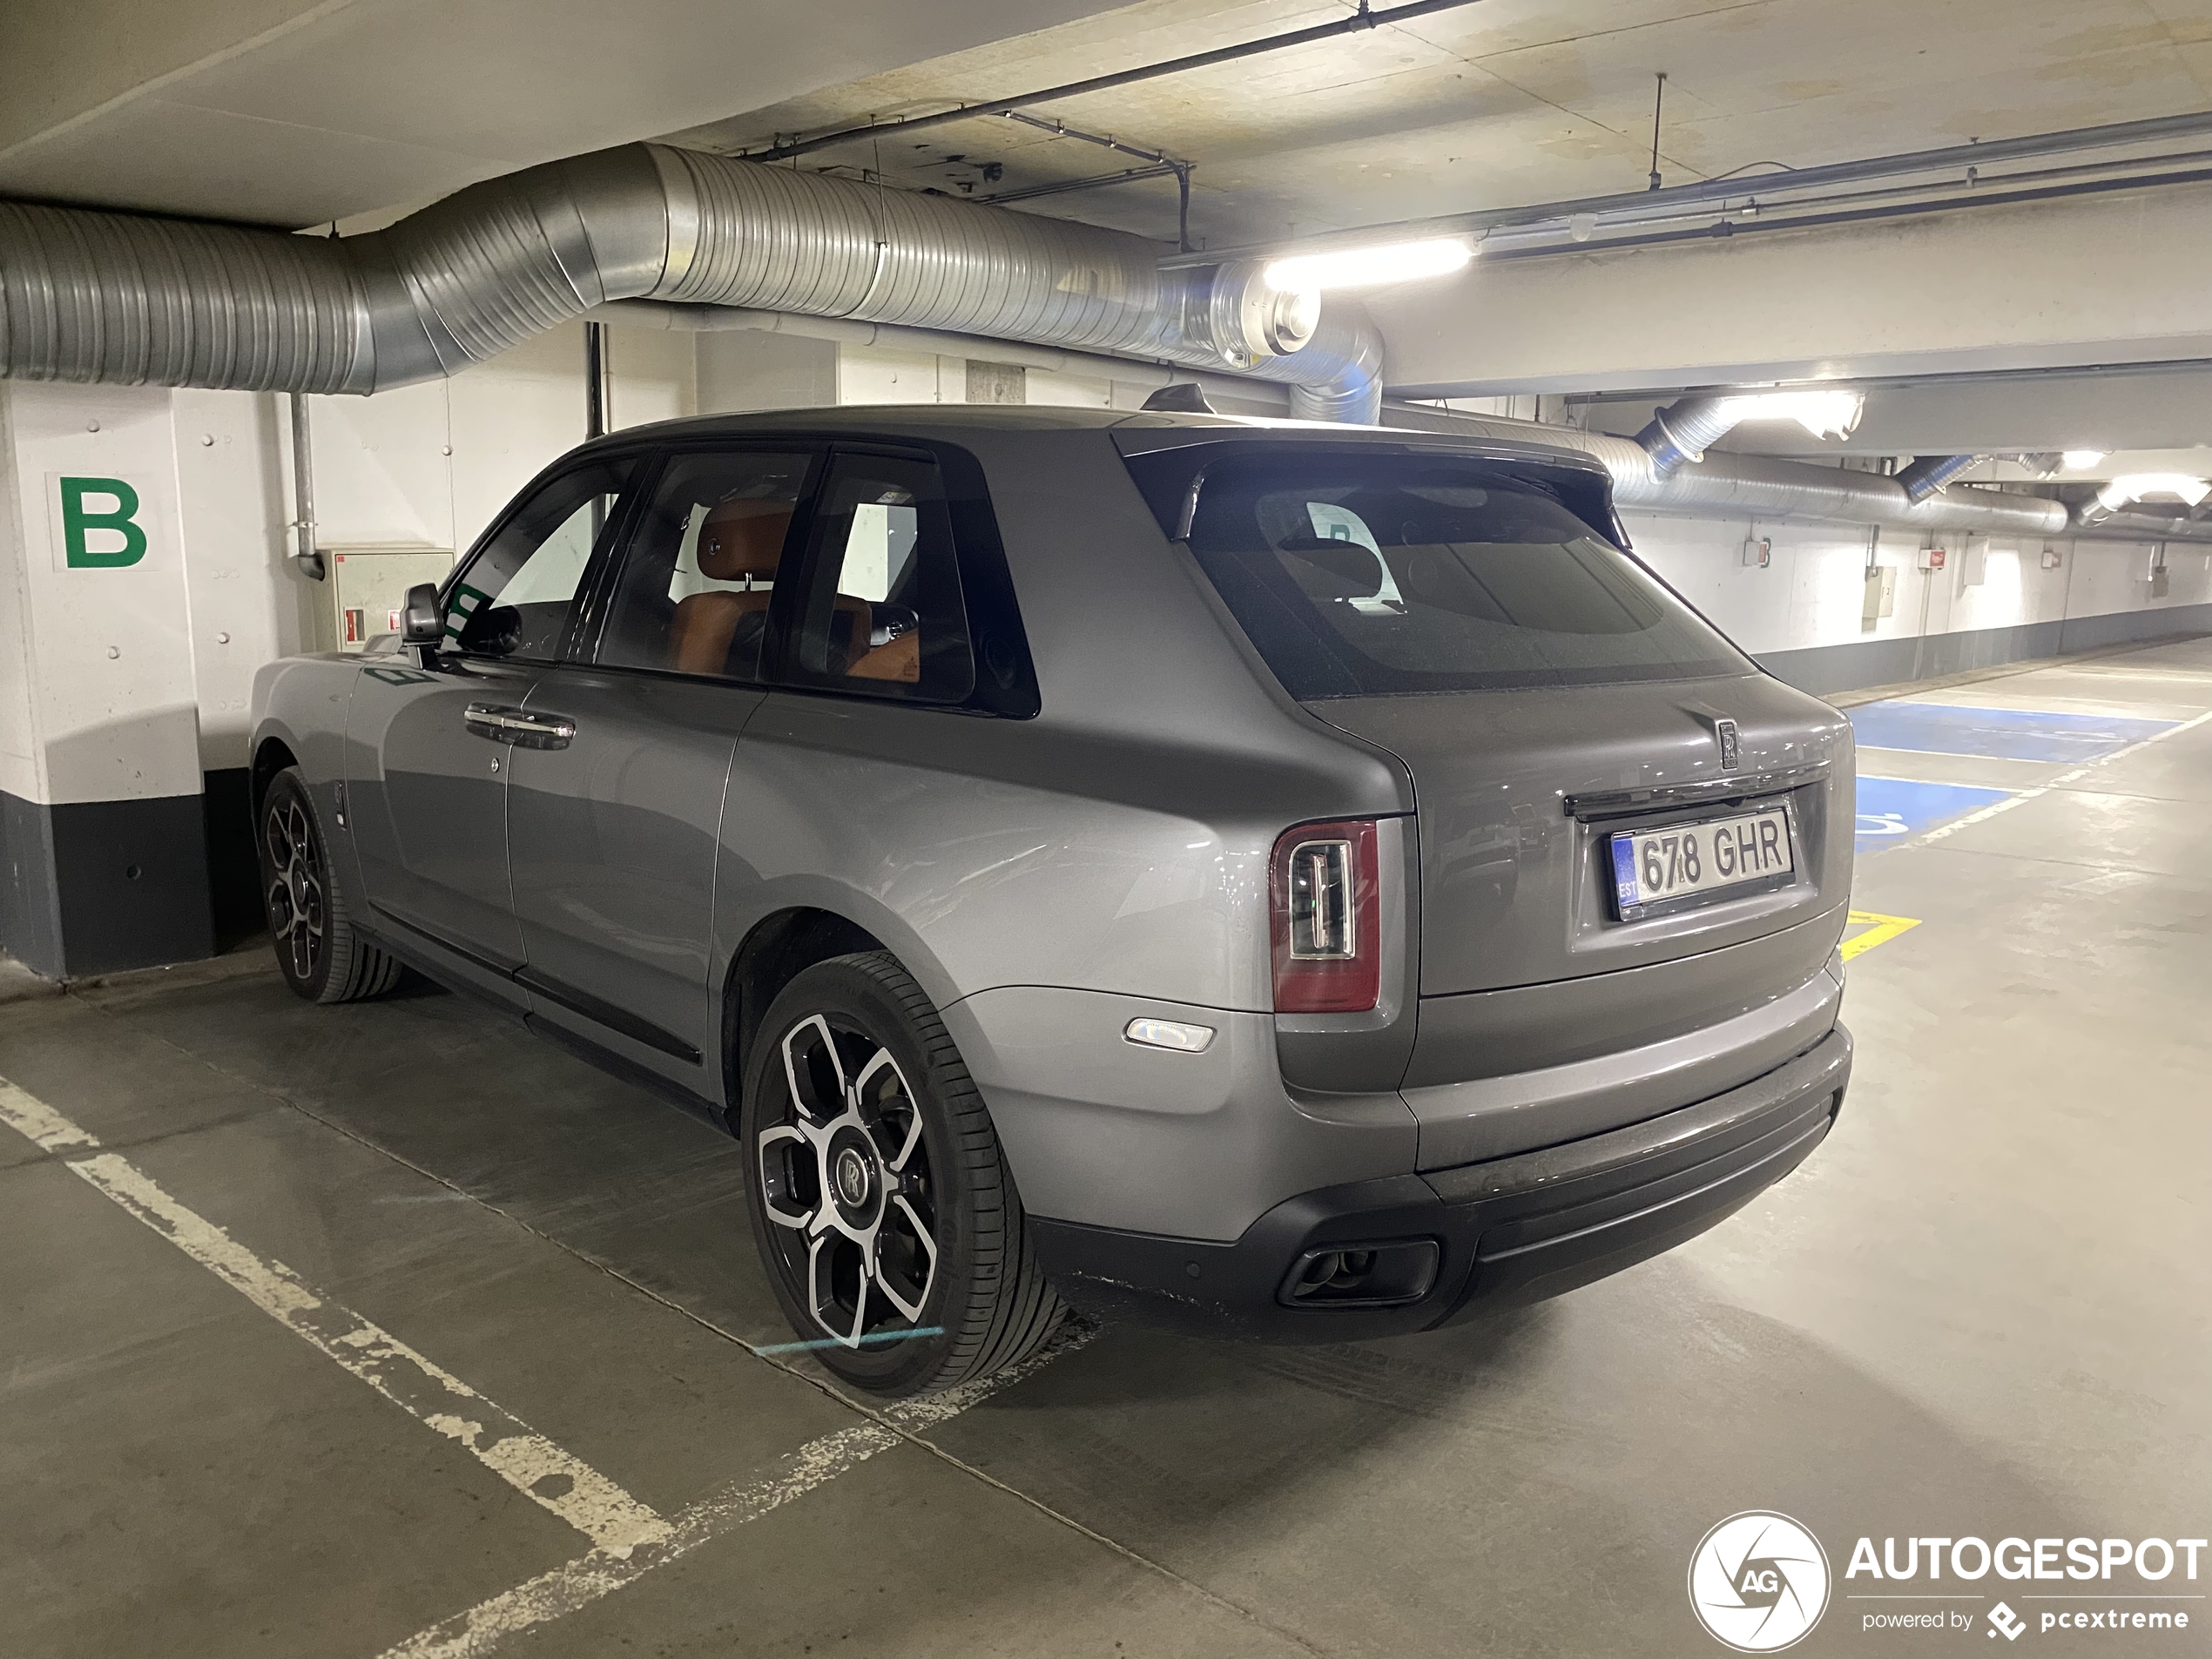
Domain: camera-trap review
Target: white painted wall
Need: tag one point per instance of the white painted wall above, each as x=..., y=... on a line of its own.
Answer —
x=1813, y=593
x=878, y=375
x=244, y=608
x=428, y=465
x=743, y=369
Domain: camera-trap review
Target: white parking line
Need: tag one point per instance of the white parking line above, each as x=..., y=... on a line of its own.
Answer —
x=629, y=1539
x=616, y=1522
x=575, y=1584
x=38, y=1122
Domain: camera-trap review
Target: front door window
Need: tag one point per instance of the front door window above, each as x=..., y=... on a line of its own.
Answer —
x=515, y=598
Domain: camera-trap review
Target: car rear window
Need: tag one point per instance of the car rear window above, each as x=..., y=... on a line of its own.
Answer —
x=1359, y=576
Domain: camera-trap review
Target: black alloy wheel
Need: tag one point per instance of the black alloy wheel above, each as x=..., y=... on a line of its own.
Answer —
x=323, y=958
x=881, y=1205
x=846, y=1180
x=296, y=887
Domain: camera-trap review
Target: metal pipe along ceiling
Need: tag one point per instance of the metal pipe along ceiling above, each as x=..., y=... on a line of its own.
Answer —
x=115, y=297
x=1755, y=487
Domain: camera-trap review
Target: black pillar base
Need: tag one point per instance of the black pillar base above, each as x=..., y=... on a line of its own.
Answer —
x=96, y=886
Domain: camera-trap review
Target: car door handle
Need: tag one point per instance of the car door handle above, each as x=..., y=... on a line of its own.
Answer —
x=523, y=729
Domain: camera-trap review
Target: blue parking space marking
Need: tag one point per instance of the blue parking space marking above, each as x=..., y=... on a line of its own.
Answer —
x=2002, y=734
x=1894, y=810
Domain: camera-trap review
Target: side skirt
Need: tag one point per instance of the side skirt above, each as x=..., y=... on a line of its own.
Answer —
x=423, y=954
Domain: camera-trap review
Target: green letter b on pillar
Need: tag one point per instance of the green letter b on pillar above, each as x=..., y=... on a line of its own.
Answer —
x=79, y=523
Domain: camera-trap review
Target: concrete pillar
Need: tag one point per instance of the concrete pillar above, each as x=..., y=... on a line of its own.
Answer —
x=102, y=825
x=141, y=584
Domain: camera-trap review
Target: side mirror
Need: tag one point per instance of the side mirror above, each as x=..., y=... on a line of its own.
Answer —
x=424, y=620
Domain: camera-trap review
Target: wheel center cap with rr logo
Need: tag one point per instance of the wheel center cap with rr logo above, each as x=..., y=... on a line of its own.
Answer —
x=852, y=1177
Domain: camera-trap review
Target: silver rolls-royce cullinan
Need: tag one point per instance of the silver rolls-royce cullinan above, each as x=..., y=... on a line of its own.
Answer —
x=1278, y=880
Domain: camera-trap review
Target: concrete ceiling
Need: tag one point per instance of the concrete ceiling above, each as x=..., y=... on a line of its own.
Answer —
x=1505, y=102
x=294, y=112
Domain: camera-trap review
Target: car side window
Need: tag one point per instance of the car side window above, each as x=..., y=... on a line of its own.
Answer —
x=516, y=595
x=882, y=612
x=695, y=586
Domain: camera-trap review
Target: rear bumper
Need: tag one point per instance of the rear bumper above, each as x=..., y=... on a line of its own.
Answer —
x=1497, y=1233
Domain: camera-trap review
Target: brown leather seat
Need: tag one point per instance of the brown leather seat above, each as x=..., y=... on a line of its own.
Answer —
x=739, y=539
x=742, y=539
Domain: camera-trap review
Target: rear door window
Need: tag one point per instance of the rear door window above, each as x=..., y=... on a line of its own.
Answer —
x=700, y=573
x=882, y=612
x=1361, y=577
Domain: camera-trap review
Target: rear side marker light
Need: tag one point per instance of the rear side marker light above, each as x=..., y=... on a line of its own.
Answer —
x=1326, y=917
x=1166, y=1033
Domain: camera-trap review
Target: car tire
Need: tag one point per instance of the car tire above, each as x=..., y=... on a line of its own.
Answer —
x=322, y=957
x=881, y=1202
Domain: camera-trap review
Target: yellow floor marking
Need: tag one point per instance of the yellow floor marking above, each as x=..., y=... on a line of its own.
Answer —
x=1879, y=931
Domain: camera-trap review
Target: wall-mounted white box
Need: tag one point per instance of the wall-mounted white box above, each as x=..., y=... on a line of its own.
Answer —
x=366, y=587
x=1881, y=594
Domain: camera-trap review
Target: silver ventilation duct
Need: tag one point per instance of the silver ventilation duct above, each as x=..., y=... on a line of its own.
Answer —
x=115, y=297
x=1688, y=427
x=1761, y=487
x=2143, y=527
x=1755, y=487
x=1684, y=429
x=1928, y=474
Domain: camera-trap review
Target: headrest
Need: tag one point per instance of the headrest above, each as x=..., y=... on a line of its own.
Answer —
x=1335, y=570
x=743, y=538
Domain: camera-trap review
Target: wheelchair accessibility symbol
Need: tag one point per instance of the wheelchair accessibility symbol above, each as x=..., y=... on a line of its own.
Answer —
x=1894, y=810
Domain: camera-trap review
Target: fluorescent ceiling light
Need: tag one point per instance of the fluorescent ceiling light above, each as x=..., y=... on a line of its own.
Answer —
x=2137, y=486
x=1819, y=412
x=2079, y=460
x=1362, y=267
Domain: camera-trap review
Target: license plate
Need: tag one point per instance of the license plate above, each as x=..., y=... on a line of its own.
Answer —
x=1686, y=864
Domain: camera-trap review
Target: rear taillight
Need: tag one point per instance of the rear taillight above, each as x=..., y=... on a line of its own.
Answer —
x=1327, y=919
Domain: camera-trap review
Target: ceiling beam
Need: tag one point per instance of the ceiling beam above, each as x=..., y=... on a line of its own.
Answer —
x=2074, y=283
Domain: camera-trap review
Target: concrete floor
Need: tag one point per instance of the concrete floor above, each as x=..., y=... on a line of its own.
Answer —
x=1981, y=1309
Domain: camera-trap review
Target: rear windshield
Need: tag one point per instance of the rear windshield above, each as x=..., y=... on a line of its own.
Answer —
x=1359, y=576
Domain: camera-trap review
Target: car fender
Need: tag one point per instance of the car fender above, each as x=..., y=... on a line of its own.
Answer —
x=301, y=703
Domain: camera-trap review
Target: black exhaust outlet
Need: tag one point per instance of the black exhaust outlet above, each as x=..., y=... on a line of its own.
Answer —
x=1388, y=1274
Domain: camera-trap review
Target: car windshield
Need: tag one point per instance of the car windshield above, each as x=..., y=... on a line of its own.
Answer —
x=1357, y=576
